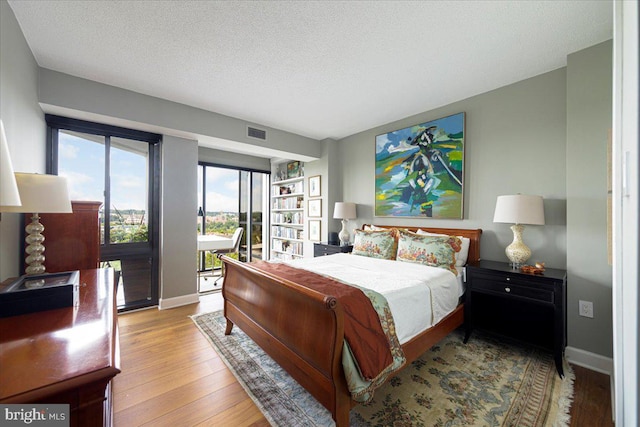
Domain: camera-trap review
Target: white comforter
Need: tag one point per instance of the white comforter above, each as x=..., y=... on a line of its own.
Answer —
x=419, y=296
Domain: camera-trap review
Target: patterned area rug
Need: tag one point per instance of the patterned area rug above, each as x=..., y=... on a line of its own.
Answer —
x=485, y=382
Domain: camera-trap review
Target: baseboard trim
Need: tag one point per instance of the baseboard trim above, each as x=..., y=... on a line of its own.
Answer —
x=589, y=360
x=178, y=301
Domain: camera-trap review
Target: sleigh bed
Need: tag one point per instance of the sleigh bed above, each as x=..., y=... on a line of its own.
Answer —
x=303, y=329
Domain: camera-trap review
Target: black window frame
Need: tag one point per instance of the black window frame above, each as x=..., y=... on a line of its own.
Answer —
x=108, y=251
x=249, y=222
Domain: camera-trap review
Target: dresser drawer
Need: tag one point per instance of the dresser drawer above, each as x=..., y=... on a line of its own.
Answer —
x=506, y=288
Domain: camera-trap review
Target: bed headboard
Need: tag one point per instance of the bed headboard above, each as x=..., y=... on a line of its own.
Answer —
x=472, y=234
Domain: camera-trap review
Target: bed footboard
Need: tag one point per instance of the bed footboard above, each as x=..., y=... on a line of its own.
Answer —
x=301, y=329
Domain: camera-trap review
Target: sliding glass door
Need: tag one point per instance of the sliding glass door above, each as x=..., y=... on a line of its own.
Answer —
x=118, y=167
x=230, y=198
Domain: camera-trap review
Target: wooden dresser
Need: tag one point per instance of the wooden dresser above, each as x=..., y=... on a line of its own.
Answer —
x=72, y=241
x=67, y=355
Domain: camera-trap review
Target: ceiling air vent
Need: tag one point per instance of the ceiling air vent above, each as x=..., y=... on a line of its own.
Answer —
x=256, y=133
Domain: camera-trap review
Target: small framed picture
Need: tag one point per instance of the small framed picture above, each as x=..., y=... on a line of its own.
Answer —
x=315, y=208
x=314, y=186
x=293, y=169
x=314, y=230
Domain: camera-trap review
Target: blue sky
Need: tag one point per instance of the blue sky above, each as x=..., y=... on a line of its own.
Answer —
x=82, y=162
x=222, y=190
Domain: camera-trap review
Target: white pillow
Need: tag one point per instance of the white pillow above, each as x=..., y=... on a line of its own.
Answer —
x=374, y=228
x=461, y=257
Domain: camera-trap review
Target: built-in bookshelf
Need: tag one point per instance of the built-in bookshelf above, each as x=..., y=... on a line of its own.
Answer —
x=287, y=213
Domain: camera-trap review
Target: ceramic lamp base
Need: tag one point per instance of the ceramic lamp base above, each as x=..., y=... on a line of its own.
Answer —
x=35, y=248
x=344, y=234
x=517, y=252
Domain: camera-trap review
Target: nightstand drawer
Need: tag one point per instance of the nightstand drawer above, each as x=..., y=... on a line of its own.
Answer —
x=506, y=288
x=321, y=249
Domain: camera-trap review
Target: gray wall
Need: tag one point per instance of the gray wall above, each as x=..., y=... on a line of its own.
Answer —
x=23, y=122
x=178, y=217
x=589, y=101
x=67, y=94
x=329, y=169
x=514, y=143
x=228, y=158
x=547, y=136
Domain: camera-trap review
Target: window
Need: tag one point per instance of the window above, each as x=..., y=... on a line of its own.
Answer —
x=231, y=198
x=117, y=167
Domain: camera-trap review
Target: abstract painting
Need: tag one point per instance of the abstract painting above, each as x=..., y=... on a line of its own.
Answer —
x=420, y=170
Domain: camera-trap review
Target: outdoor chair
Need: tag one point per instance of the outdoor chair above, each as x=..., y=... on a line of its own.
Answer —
x=237, y=237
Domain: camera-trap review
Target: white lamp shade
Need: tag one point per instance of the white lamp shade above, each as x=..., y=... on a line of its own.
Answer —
x=9, y=195
x=42, y=194
x=519, y=209
x=344, y=210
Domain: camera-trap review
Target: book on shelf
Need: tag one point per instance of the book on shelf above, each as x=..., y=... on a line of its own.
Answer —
x=292, y=188
x=288, y=203
x=288, y=247
x=286, y=232
x=293, y=218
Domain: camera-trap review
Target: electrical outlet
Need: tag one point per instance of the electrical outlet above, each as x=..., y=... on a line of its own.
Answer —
x=586, y=308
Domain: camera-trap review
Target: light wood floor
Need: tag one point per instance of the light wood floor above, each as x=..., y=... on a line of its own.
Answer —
x=171, y=376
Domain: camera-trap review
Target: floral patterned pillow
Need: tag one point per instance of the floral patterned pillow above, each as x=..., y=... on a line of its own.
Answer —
x=375, y=243
x=435, y=251
x=461, y=257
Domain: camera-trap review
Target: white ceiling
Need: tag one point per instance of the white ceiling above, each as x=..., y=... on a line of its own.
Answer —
x=322, y=69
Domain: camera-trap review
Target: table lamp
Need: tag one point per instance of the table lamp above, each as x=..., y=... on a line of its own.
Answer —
x=519, y=209
x=39, y=194
x=344, y=211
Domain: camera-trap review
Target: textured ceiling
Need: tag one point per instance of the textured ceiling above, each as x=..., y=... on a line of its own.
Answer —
x=322, y=69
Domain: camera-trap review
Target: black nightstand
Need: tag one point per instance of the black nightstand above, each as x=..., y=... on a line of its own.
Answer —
x=526, y=307
x=320, y=249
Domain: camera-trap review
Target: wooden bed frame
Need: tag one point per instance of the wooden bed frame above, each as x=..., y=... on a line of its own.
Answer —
x=303, y=330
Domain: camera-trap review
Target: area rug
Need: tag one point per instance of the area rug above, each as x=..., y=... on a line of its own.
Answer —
x=485, y=382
